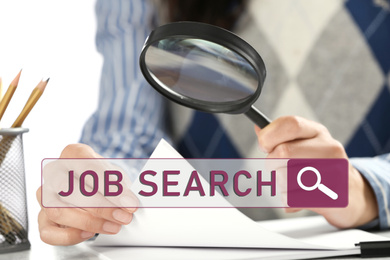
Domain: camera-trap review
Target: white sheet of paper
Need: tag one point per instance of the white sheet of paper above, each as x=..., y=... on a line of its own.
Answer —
x=224, y=228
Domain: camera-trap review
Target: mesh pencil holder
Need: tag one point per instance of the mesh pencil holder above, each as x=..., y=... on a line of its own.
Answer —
x=13, y=204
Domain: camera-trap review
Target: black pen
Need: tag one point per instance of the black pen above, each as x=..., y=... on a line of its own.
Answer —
x=374, y=248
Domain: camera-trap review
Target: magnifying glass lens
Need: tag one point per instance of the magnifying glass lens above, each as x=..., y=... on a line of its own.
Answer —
x=204, y=67
x=201, y=70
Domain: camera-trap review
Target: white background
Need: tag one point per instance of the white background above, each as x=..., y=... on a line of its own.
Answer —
x=53, y=39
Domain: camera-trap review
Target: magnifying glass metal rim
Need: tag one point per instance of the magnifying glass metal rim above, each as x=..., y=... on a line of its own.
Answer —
x=195, y=30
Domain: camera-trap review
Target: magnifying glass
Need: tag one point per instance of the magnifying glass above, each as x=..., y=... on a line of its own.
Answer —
x=204, y=67
x=318, y=185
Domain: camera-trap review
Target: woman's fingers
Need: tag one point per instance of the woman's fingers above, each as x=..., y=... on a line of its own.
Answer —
x=81, y=219
x=320, y=147
x=287, y=129
x=54, y=234
x=65, y=226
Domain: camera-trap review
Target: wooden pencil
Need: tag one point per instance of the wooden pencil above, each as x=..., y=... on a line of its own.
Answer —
x=8, y=95
x=32, y=100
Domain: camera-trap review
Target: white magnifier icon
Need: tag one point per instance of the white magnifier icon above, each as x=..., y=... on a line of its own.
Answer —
x=333, y=195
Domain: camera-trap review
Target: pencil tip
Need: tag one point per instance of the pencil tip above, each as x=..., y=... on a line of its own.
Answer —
x=15, y=82
x=42, y=84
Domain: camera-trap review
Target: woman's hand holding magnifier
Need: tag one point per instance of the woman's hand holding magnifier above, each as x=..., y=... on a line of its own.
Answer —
x=295, y=137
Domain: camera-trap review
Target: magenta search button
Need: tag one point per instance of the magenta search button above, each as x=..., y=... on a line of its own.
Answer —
x=313, y=183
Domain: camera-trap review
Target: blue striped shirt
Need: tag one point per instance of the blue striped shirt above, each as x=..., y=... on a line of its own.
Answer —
x=130, y=119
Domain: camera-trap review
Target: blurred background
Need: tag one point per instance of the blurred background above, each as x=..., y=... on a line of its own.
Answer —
x=49, y=39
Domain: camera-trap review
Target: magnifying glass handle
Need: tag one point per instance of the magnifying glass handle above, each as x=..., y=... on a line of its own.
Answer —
x=257, y=117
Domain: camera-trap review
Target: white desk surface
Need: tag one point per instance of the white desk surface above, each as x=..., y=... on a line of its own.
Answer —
x=40, y=250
